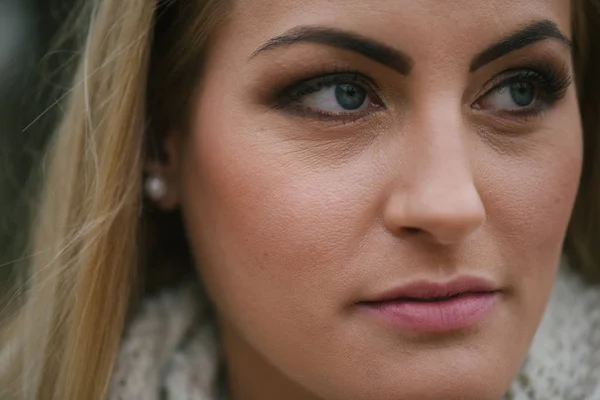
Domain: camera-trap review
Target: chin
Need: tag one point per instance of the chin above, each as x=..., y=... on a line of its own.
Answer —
x=479, y=367
x=429, y=383
x=476, y=363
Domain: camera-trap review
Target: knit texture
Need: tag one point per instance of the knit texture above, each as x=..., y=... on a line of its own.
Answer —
x=170, y=351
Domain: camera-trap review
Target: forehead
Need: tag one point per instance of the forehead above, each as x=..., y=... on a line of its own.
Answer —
x=409, y=24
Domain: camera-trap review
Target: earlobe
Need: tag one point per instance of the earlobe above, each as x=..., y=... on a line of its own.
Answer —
x=160, y=191
x=156, y=188
x=161, y=183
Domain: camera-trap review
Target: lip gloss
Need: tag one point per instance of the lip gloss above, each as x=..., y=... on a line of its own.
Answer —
x=434, y=316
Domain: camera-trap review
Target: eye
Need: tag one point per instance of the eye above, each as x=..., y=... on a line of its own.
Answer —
x=514, y=95
x=511, y=97
x=333, y=95
x=339, y=98
x=526, y=92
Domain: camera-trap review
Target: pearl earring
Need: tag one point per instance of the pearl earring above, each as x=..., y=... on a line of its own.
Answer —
x=156, y=188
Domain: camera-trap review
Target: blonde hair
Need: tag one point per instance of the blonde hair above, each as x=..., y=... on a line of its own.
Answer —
x=89, y=253
x=87, y=243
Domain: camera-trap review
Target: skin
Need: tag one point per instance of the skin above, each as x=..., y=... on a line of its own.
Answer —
x=294, y=218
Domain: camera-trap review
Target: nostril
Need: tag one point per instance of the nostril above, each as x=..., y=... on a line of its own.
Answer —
x=411, y=230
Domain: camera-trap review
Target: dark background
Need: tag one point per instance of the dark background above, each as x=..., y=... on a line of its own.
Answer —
x=32, y=67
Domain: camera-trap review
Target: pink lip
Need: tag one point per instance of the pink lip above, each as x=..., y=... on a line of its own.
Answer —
x=435, y=307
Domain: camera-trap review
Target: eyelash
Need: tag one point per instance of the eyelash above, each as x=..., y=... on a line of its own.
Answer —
x=288, y=97
x=550, y=82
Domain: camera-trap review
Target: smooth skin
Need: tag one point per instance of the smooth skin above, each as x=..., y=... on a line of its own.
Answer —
x=297, y=212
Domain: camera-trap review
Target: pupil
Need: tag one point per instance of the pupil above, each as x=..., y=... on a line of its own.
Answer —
x=522, y=94
x=350, y=97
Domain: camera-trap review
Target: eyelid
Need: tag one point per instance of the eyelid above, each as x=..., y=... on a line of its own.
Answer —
x=555, y=80
x=507, y=78
x=288, y=99
x=551, y=84
x=293, y=91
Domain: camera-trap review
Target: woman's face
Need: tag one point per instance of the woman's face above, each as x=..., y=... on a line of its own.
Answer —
x=356, y=170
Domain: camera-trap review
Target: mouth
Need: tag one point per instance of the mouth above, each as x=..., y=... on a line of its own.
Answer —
x=431, y=307
x=436, y=299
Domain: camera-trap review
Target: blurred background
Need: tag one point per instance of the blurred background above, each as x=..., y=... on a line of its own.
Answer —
x=32, y=63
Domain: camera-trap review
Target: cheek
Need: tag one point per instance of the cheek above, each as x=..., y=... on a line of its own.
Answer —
x=268, y=226
x=529, y=200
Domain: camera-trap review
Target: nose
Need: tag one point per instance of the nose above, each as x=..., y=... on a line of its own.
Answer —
x=439, y=200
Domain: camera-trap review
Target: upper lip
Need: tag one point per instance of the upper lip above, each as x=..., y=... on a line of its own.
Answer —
x=431, y=290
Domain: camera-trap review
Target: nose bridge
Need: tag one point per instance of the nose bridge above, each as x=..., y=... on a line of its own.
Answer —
x=445, y=161
x=439, y=196
x=442, y=141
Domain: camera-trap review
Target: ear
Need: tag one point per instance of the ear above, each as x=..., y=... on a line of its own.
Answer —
x=164, y=163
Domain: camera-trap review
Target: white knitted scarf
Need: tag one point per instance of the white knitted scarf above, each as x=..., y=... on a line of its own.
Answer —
x=169, y=353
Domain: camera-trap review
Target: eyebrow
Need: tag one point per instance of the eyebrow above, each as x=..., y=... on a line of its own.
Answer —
x=526, y=36
x=402, y=62
x=369, y=48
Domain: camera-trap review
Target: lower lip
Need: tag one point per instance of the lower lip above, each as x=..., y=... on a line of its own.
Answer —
x=435, y=317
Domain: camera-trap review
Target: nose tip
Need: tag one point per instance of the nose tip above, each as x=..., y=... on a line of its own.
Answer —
x=446, y=216
x=434, y=190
